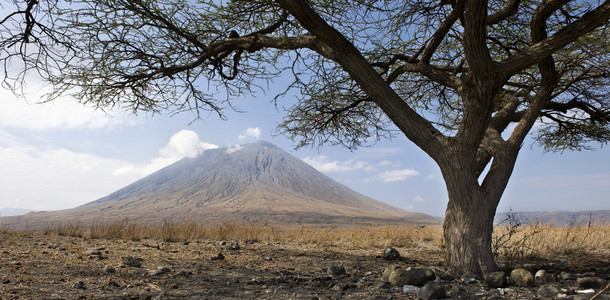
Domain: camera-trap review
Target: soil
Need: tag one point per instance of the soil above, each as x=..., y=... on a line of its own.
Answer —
x=38, y=266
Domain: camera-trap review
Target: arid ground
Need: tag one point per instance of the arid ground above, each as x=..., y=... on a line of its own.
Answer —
x=233, y=261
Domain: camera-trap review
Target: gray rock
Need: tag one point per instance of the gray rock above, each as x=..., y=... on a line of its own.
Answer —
x=588, y=283
x=159, y=271
x=411, y=276
x=568, y=276
x=220, y=256
x=586, y=291
x=383, y=285
x=388, y=270
x=183, y=273
x=497, y=280
x=335, y=270
x=470, y=278
x=79, y=285
x=542, y=277
x=521, y=277
x=156, y=272
x=233, y=246
x=390, y=253
x=132, y=261
x=109, y=269
x=548, y=291
x=432, y=290
x=410, y=289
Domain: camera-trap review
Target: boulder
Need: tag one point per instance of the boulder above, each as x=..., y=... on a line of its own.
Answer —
x=411, y=276
x=390, y=253
x=521, y=277
x=432, y=290
x=497, y=280
x=548, y=291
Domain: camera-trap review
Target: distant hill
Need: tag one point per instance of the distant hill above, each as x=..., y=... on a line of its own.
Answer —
x=12, y=211
x=560, y=218
x=257, y=182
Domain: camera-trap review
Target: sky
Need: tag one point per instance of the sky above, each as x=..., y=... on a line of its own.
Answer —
x=60, y=155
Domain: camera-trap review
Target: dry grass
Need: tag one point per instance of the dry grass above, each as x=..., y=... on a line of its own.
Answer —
x=511, y=243
x=352, y=237
x=548, y=240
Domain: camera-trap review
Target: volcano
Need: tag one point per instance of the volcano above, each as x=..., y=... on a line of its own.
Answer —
x=254, y=182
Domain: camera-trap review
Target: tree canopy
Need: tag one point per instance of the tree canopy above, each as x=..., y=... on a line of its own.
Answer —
x=465, y=80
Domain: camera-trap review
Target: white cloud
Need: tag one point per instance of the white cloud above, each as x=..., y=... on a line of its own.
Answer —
x=419, y=199
x=232, y=149
x=62, y=113
x=324, y=164
x=185, y=143
x=253, y=132
x=56, y=178
x=396, y=175
x=47, y=179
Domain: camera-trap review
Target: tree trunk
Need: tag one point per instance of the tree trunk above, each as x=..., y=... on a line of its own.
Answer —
x=468, y=224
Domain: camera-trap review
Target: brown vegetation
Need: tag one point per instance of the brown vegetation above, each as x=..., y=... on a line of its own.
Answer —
x=511, y=242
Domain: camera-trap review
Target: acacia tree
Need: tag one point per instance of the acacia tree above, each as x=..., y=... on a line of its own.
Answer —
x=465, y=80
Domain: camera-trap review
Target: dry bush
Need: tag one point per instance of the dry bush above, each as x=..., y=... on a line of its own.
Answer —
x=74, y=229
x=511, y=244
x=518, y=243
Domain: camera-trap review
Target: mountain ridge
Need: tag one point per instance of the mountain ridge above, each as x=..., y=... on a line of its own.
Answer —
x=255, y=182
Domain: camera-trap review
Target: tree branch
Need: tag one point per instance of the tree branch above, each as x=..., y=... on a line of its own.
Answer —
x=511, y=8
x=563, y=37
x=442, y=31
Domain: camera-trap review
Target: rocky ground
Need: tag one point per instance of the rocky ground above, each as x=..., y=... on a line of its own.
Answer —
x=37, y=266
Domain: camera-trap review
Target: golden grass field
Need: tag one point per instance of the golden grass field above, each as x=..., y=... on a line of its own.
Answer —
x=511, y=244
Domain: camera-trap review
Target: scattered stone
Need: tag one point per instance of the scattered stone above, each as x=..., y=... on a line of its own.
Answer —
x=588, y=283
x=521, y=277
x=93, y=251
x=183, y=273
x=335, y=270
x=234, y=246
x=155, y=272
x=542, y=277
x=443, y=275
x=5, y=280
x=410, y=289
x=390, y=253
x=383, y=285
x=268, y=258
x=587, y=291
x=497, y=280
x=340, y=286
x=432, y=290
x=79, y=285
x=388, y=270
x=411, y=276
x=132, y=261
x=470, y=278
x=568, y=276
x=217, y=257
x=109, y=269
x=548, y=291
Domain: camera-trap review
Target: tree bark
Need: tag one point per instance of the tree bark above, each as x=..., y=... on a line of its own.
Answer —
x=468, y=224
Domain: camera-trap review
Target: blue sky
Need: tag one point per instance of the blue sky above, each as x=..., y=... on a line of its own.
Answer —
x=60, y=155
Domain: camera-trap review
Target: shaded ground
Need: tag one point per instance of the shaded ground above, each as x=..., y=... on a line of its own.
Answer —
x=37, y=266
